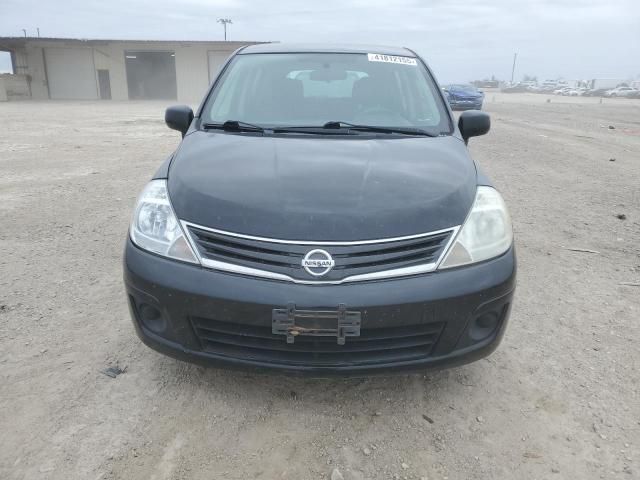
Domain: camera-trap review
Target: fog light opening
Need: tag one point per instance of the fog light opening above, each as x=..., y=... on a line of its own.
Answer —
x=484, y=325
x=151, y=317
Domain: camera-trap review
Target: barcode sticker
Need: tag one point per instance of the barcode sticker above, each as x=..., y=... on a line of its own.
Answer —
x=378, y=57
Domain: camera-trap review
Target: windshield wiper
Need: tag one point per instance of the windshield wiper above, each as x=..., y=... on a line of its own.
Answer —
x=235, y=126
x=372, y=128
x=239, y=126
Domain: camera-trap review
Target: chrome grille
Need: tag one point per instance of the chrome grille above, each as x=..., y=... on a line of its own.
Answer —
x=353, y=261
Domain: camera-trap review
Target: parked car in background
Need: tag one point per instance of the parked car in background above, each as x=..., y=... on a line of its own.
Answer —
x=464, y=97
x=515, y=88
x=576, y=92
x=562, y=91
x=596, y=92
x=548, y=86
x=620, y=92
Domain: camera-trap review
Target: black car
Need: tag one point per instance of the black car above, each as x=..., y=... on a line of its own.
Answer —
x=322, y=214
x=464, y=97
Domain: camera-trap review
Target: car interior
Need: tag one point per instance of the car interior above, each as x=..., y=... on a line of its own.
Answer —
x=311, y=97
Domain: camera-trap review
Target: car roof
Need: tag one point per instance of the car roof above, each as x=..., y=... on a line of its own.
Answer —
x=325, y=48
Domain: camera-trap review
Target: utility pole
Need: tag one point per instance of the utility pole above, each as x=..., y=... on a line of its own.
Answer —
x=24, y=30
x=38, y=29
x=513, y=69
x=225, y=22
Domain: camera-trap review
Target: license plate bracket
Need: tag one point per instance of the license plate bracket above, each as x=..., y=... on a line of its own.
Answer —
x=293, y=322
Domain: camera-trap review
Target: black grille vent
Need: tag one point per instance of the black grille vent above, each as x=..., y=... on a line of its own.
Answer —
x=257, y=343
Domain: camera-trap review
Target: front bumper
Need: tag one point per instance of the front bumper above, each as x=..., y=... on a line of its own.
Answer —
x=457, y=104
x=465, y=105
x=444, y=318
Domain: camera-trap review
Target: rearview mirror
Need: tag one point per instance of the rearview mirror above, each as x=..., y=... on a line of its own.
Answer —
x=473, y=123
x=328, y=75
x=179, y=117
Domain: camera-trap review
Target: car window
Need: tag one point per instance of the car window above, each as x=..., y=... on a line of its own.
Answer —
x=310, y=89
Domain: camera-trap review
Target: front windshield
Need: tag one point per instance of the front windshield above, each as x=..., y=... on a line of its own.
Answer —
x=463, y=88
x=311, y=89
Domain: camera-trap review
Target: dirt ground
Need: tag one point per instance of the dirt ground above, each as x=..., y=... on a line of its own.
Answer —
x=560, y=399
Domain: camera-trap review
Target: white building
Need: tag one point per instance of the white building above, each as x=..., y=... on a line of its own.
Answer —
x=73, y=69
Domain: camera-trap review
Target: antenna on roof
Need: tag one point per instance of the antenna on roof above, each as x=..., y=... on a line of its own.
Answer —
x=225, y=22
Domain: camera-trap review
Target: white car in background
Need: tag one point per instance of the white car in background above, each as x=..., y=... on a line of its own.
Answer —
x=576, y=92
x=620, y=92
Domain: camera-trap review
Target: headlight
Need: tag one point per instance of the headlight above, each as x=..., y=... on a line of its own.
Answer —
x=155, y=227
x=486, y=233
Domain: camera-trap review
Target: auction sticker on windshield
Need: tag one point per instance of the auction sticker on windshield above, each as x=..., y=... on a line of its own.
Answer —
x=377, y=57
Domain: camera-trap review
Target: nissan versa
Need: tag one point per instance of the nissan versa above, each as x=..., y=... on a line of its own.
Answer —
x=322, y=215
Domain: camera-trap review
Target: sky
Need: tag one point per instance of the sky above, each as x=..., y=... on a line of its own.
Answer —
x=461, y=40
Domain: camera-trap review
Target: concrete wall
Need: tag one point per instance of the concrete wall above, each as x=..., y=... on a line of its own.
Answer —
x=36, y=70
x=192, y=63
x=14, y=87
x=192, y=72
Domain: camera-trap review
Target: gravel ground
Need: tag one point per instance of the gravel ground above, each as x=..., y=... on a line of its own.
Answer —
x=560, y=398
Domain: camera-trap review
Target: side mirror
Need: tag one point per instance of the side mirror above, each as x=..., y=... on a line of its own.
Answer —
x=473, y=123
x=179, y=117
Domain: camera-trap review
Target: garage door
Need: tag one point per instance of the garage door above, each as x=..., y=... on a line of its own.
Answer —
x=151, y=74
x=71, y=73
x=216, y=59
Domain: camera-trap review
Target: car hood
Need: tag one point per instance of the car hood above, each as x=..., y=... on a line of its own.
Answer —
x=321, y=188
